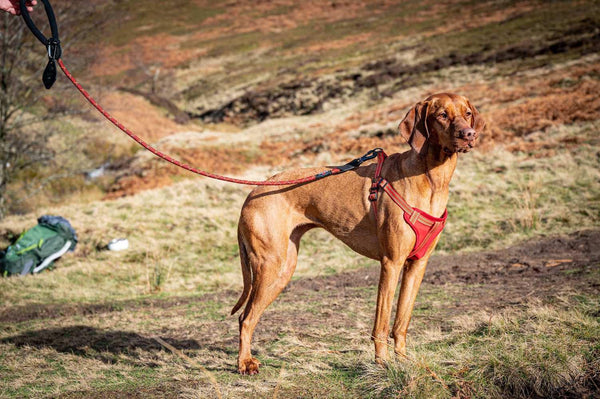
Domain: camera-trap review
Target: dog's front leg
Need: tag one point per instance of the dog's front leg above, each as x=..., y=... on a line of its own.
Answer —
x=411, y=281
x=388, y=280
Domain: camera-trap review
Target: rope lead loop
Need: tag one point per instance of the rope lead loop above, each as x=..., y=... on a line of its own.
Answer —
x=52, y=43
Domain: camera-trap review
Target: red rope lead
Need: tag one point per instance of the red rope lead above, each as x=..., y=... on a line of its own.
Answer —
x=178, y=163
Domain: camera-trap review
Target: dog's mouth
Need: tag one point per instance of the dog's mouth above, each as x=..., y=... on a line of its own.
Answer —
x=460, y=145
x=466, y=144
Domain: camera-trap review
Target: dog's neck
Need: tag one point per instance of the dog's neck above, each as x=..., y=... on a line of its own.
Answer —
x=438, y=168
x=430, y=173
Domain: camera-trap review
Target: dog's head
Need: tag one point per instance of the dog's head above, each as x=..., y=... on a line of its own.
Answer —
x=447, y=122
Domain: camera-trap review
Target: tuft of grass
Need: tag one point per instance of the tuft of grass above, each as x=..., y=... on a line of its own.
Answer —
x=157, y=274
x=541, y=350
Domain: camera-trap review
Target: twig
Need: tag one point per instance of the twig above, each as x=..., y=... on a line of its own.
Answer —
x=429, y=370
x=435, y=376
x=293, y=348
x=182, y=355
x=278, y=386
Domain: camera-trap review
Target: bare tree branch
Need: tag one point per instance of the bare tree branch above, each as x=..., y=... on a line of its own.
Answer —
x=27, y=130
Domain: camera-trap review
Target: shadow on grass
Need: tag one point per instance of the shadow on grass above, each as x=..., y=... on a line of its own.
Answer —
x=42, y=311
x=103, y=345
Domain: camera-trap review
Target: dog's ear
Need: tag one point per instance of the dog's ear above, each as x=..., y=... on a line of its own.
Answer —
x=413, y=127
x=477, y=122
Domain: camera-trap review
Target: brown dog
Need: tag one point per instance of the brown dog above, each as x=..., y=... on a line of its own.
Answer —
x=274, y=219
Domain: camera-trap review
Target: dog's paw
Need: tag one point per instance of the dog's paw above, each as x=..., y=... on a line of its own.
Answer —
x=382, y=362
x=248, y=366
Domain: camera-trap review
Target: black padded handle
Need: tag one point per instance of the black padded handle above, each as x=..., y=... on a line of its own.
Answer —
x=52, y=43
x=54, y=39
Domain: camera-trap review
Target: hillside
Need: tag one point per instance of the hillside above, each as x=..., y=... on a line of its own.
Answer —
x=509, y=305
x=288, y=83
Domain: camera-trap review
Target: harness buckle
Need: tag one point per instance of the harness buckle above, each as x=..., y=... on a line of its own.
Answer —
x=374, y=190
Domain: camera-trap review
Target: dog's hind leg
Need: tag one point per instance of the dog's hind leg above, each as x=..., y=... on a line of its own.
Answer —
x=272, y=263
x=246, y=273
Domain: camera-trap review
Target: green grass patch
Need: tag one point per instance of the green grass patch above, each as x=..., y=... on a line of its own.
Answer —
x=173, y=17
x=542, y=350
x=544, y=22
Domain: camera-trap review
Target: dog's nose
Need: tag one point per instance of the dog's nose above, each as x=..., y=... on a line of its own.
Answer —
x=468, y=134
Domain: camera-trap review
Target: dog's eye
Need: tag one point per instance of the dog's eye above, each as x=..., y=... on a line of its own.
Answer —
x=443, y=115
x=469, y=113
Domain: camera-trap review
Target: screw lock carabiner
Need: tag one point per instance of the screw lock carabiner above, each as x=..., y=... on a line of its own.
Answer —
x=52, y=43
x=54, y=50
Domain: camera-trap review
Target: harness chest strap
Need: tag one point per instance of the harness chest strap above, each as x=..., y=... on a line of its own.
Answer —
x=425, y=226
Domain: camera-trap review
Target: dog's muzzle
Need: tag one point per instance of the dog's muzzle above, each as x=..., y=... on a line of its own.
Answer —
x=464, y=141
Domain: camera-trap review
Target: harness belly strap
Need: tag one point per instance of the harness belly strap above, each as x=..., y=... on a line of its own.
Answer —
x=425, y=226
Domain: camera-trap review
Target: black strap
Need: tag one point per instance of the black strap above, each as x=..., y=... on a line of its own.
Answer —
x=52, y=43
x=355, y=163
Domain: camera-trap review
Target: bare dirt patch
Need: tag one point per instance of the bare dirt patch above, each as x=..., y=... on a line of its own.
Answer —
x=542, y=268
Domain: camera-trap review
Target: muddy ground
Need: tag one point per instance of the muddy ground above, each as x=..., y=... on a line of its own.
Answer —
x=494, y=280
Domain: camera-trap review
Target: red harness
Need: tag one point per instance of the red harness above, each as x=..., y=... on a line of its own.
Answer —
x=425, y=226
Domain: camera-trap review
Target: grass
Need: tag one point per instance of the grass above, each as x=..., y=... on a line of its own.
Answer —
x=176, y=18
x=541, y=350
x=515, y=196
x=181, y=275
x=540, y=24
x=89, y=327
x=392, y=27
x=242, y=59
x=193, y=246
x=395, y=31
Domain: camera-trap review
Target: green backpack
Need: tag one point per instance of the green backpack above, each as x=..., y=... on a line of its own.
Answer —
x=38, y=248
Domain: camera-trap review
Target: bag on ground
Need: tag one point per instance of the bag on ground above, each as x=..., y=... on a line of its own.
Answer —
x=38, y=248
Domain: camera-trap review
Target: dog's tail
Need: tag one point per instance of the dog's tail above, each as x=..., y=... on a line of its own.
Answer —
x=246, y=273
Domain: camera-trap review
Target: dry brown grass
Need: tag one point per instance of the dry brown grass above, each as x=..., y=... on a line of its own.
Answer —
x=534, y=101
x=555, y=107
x=565, y=95
x=87, y=328
x=149, y=122
x=172, y=55
x=524, y=103
x=249, y=16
